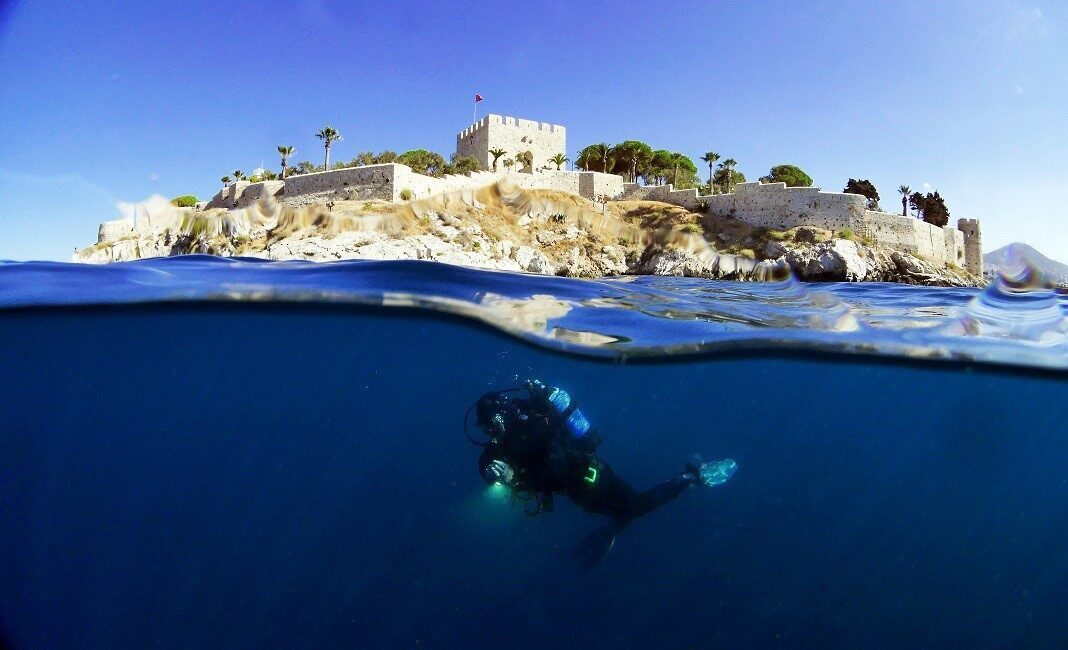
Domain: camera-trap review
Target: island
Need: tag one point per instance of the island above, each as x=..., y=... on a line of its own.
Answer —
x=504, y=201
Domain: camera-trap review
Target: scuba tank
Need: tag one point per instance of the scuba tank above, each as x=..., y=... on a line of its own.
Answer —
x=565, y=411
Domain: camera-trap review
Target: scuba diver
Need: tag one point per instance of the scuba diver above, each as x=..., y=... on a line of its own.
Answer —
x=540, y=444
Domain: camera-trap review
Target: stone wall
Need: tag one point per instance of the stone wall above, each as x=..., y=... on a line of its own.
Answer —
x=973, y=245
x=514, y=136
x=664, y=193
x=596, y=185
x=773, y=205
x=367, y=182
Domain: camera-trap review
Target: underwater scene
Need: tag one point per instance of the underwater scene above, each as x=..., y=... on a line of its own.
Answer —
x=199, y=452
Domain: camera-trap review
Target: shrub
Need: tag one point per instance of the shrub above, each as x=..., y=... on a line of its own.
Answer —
x=185, y=201
x=691, y=228
x=406, y=194
x=255, y=179
x=846, y=233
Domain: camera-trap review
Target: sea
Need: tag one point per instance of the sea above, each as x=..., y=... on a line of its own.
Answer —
x=199, y=452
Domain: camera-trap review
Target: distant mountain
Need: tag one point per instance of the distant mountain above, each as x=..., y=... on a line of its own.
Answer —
x=1055, y=271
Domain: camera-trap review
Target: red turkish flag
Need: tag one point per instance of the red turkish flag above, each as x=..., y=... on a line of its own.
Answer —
x=478, y=98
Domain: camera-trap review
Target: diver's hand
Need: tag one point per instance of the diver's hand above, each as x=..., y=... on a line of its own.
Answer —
x=499, y=472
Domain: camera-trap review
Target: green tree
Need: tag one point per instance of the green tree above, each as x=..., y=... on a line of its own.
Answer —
x=462, y=165
x=508, y=162
x=792, y=175
x=866, y=189
x=238, y=175
x=364, y=158
x=596, y=157
x=285, y=152
x=633, y=158
x=306, y=167
x=559, y=159
x=904, y=191
x=329, y=135
x=710, y=157
x=184, y=201
x=423, y=162
x=225, y=180
x=726, y=178
x=496, y=153
x=729, y=176
x=932, y=207
x=685, y=171
x=385, y=157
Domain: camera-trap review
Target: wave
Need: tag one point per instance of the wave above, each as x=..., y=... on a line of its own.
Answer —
x=1016, y=321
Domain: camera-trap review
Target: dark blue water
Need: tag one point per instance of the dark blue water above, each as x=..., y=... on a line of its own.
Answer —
x=235, y=474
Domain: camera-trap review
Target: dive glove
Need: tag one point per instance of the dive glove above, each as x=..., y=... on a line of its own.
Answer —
x=499, y=472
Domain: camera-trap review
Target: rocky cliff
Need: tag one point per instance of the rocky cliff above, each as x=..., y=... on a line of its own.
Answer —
x=504, y=227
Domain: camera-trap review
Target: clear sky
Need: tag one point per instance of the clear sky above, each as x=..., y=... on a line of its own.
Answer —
x=115, y=101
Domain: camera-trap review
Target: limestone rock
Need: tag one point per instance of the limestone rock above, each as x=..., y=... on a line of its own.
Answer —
x=834, y=261
x=805, y=235
x=775, y=249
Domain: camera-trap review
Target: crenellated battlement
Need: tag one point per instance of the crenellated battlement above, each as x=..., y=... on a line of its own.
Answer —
x=514, y=135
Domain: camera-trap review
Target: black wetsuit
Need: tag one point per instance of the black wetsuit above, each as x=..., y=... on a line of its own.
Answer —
x=547, y=460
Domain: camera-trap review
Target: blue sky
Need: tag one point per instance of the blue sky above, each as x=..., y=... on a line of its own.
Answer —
x=113, y=101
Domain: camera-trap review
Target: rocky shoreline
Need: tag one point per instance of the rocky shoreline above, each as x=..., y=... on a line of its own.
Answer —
x=506, y=228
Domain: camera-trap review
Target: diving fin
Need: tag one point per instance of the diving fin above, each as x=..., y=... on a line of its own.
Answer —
x=593, y=547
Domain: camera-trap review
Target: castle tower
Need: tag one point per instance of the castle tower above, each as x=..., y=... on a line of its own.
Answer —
x=973, y=245
x=514, y=136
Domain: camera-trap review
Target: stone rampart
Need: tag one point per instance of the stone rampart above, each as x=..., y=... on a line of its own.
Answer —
x=773, y=205
x=367, y=182
x=596, y=185
x=688, y=199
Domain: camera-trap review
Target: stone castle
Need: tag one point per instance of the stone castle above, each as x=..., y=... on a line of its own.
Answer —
x=513, y=136
x=773, y=205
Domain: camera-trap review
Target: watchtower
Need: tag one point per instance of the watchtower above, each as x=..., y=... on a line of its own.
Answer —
x=973, y=245
x=515, y=136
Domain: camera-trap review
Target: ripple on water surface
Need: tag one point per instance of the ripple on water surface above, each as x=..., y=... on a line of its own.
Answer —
x=1017, y=320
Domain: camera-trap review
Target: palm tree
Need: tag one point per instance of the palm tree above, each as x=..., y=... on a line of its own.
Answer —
x=604, y=149
x=677, y=159
x=728, y=164
x=904, y=189
x=225, y=180
x=710, y=158
x=496, y=153
x=285, y=152
x=559, y=159
x=329, y=136
x=238, y=175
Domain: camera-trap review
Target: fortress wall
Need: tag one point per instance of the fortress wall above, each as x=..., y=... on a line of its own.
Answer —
x=253, y=192
x=228, y=196
x=954, y=245
x=115, y=230
x=421, y=185
x=776, y=206
x=368, y=182
x=561, y=181
x=597, y=184
x=892, y=230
